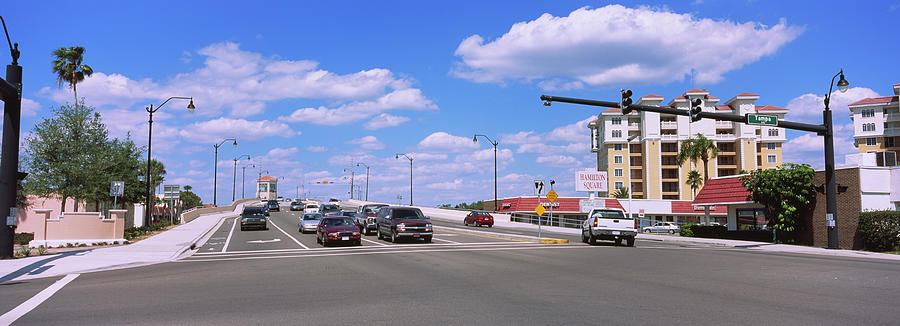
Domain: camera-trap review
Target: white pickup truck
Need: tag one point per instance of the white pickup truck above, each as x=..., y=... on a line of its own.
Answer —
x=608, y=224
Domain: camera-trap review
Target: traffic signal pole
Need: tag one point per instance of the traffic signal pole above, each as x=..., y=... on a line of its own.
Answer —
x=11, y=94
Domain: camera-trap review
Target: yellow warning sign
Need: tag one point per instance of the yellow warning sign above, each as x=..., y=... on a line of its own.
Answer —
x=540, y=210
x=552, y=196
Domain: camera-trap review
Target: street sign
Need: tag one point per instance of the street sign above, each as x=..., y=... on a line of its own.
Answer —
x=540, y=210
x=552, y=195
x=641, y=213
x=590, y=181
x=762, y=119
x=586, y=205
x=171, y=191
x=538, y=187
x=117, y=188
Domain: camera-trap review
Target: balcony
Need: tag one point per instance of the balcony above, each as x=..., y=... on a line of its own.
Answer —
x=724, y=124
x=669, y=137
x=725, y=136
x=668, y=125
x=634, y=126
x=891, y=117
x=894, y=131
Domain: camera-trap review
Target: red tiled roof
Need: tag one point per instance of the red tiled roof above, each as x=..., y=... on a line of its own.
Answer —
x=897, y=84
x=651, y=95
x=746, y=94
x=723, y=190
x=708, y=97
x=697, y=91
x=267, y=178
x=723, y=108
x=875, y=100
x=687, y=207
x=680, y=97
x=566, y=204
x=769, y=108
x=612, y=110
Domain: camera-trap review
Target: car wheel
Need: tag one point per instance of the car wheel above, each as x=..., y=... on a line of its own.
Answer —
x=427, y=239
x=671, y=231
x=630, y=242
x=618, y=242
x=490, y=225
x=592, y=240
x=393, y=237
x=324, y=242
x=475, y=224
x=584, y=238
x=317, y=239
x=466, y=223
x=359, y=242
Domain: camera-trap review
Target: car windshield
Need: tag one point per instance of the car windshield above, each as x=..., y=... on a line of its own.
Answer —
x=312, y=217
x=609, y=214
x=312, y=206
x=410, y=214
x=296, y=203
x=338, y=222
x=330, y=207
x=372, y=209
x=253, y=212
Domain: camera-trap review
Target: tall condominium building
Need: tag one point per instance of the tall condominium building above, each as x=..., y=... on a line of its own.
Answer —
x=876, y=127
x=640, y=148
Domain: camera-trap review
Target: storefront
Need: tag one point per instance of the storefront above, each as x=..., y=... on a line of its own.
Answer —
x=743, y=214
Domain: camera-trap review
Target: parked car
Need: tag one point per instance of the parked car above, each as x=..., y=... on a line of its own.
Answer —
x=365, y=216
x=329, y=209
x=478, y=218
x=662, y=227
x=308, y=222
x=297, y=206
x=273, y=205
x=396, y=222
x=337, y=229
x=253, y=217
x=311, y=208
x=608, y=224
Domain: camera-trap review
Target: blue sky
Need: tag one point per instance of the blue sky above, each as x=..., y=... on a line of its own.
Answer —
x=308, y=87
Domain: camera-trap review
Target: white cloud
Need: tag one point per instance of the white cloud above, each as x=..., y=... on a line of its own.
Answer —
x=503, y=155
x=385, y=120
x=29, y=107
x=811, y=105
x=557, y=160
x=575, y=132
x=444, y=141
x=213, y=130
x=367, y=142
x=450, y=185
x=281, y=153
x=522, y=137
x=316, y=149
x=317, y=174
x=610, y=45
x=411, y=99
x=196, y=163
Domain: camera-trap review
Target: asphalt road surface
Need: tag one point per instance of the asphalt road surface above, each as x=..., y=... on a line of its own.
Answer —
x=465, y=278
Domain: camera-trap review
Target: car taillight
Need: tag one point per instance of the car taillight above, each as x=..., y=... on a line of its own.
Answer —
x=635, y=224
x=595, y=222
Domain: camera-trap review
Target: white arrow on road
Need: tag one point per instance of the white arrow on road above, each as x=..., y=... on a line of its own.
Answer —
x=264, y=241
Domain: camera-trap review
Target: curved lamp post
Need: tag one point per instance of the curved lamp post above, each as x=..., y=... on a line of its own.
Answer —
x=475, y=140
x=243, y=176
x=216, y=166
x=151, y=110
x=830, y=186
x=397, y=156
x=367, y=179
x=234, y=175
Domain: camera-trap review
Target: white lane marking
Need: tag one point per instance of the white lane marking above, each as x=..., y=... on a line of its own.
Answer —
x=264, y=241
x=438, y=239
x=387, y=252
x=391, y=246
x=228, y=239
x=375, y=242
x=289, y=236
x=36, y=300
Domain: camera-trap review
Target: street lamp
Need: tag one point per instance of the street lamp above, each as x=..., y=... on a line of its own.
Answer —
x=234, y=175
x=216, y=166
x=397, y=156
x=475, y=140
x=243, y=176
x=367, y=179
x=830, y=187
x=151, y=110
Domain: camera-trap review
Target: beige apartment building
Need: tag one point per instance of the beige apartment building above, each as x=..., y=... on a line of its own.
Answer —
x=876, y=127
x=640, y=148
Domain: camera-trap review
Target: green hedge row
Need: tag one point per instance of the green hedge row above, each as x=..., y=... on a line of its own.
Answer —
x=880, y=230
x=23, y=238
x=721, y=232
x=133, y=232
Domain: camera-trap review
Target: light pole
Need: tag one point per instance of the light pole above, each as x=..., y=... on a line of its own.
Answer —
x=234, y=175
x=367, y=179
x=475, y=139
x=151, y=110
x=397, y=156
x=216, y=166
x=351, y=181
x=243, y=176
x=830, y=186
x=11, y=94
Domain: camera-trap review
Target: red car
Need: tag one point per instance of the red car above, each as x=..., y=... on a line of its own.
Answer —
x=477, y=218
x=338, y=229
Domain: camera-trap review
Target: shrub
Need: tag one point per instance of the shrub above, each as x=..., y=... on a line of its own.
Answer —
x=23, y=252
x=70, y=245
x=880, y=230
x=685, y=230
x=42, y=250
x=23, y=238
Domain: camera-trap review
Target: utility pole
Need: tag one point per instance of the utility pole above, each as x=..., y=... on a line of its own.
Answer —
x=11, y=91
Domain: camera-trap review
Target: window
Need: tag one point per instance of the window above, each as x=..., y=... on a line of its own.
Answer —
x=773, y=159
x=889, y=142
x=888, y=158
x=617, y=147
x=616, y=134
x=871, y=141
x=616, y=121
x=868, y=127
x=619, y=184
x=617, y=159
x=751, y=220
x=770, y=146
x=618, y=172
x=773, y=132
x=868, y=113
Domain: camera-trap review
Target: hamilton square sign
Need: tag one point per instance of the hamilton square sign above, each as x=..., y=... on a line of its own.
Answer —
x=590, y=181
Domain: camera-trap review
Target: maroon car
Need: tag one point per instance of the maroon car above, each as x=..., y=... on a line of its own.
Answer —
x=477, y=218
x=338, y=229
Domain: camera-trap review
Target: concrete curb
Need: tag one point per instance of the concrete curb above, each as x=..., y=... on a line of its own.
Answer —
x=194, y=241
x=505, y=236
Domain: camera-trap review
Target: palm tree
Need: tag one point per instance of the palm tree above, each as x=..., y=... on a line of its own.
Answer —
x=698, y=148
x=68, y=67
x=694, y=180
x=621, y=193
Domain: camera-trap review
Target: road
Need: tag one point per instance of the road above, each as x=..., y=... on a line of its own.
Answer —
x=467, y=278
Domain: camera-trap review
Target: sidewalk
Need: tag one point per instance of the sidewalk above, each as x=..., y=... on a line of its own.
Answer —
x=159, y=248
x=503, y=220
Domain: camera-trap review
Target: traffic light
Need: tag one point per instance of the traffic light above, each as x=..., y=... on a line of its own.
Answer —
x=625, y=105
x=696, y=109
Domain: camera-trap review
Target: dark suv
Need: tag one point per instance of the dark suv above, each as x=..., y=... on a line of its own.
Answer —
x=273, y=205
x=395, y=222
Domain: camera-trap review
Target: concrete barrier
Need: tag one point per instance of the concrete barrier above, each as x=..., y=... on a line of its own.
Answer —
x=80, y=228
x=193, y=214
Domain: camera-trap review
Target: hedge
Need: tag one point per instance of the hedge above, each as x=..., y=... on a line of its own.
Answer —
x=23, y=238
x=721, y=232
x=880, y=230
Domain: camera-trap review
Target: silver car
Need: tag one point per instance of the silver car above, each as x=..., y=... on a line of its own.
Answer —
x=309, y=221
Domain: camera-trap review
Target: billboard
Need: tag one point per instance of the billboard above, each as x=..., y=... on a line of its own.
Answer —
x=590, y=181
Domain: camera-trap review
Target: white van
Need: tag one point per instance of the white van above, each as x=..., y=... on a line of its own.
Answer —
x=311, y=208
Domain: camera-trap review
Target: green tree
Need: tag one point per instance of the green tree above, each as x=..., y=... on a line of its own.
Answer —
x=68, y=67
x=119, y=161
x=157, y=174
x=62, y=152
x=695, y=180
x=698, y=148
x=621, y=193
x=787, y=192
x=188, y=198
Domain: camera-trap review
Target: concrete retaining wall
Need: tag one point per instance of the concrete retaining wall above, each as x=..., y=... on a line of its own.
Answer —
x=190, y=216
